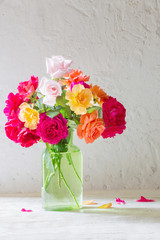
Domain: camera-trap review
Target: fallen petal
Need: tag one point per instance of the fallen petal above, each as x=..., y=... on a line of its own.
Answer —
x=90, y=202
x=119, y=201
x=24, y=210
x=143, y=199
x=108, y=205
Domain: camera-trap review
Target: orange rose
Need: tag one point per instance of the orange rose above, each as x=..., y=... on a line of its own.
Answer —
x=98, y=94
x=90, y=127
x=75, y=76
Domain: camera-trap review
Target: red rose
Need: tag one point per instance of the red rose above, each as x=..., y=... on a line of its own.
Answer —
x=12, y=128
x=27, y=137
x=114, y=117
x=52, y=130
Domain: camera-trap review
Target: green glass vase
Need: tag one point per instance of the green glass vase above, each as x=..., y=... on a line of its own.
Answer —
x=62, y=174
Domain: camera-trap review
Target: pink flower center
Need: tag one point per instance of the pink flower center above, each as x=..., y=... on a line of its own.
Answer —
x=52, y=90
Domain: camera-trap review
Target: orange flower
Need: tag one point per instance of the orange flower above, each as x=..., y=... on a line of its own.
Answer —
x=98, y=94
x=90, y=127
x=29, y=116
x=75, y=76
x=79, y=99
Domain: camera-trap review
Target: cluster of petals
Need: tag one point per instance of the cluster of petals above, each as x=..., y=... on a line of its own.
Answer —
x=119, y=201
x=143, y=199
x=80, y=98
x=90, y=127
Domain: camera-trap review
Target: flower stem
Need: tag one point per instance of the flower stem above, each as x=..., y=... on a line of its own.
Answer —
x=71, y=162
x=69, y=188
x=48, y=179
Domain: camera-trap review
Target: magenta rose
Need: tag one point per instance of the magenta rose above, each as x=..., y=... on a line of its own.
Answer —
x=81, y=82
x=26, y=89
x=27, y=137
x=52, y=130
x=12, y=105
x=114, y=117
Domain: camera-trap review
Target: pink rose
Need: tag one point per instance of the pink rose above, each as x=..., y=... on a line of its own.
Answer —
x=52, y=130
x=51, y=89
x=27, y=137
x=26, y=89
x=114, y=117
x=57, y=66
x=12, y=105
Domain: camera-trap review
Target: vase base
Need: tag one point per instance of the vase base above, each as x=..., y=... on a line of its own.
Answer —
x=62, y=208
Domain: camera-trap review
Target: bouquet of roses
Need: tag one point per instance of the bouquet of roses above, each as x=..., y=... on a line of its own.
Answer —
x=47, y=110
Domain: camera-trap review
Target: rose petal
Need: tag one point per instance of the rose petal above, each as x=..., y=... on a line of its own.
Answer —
x=119, y=201
x=24, y=210
x=108, y=205
x=143, y=199
x=90, y=202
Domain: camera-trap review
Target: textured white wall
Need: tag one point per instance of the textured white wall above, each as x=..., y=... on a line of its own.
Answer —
x=117, y=43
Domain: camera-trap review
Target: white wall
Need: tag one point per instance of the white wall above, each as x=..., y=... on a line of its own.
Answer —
x=117, y=43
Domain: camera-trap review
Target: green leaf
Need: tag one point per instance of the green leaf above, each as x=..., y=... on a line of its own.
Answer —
x=52, y=114
x=39, y=104
x=59, y=101
x=90, y=110
x=48, y=161
x=72, y=124
x=99, y=109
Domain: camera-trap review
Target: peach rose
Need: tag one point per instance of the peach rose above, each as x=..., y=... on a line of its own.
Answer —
x=29, y=116
x=90, y=127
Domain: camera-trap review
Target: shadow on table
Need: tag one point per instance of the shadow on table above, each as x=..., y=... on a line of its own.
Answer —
x=140, y=213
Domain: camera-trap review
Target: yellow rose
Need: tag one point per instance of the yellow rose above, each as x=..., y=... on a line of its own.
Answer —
x=29, y=116
x=80, y=98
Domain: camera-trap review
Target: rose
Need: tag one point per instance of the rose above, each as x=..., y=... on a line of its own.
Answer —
x=79, y=99
x=27, y=137
x=26, y=89
x=76, y=77
x=16, y=132
x=90, y=127
x=28, y=115
x=57, y=66
x=51, y=89
x=114, y=117
x=12, y=129
x=81, y=82
x=12, y=105
x=99, y=95
x=52, y=130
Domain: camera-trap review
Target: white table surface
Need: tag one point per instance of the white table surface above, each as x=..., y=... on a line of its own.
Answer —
x=131, y=221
